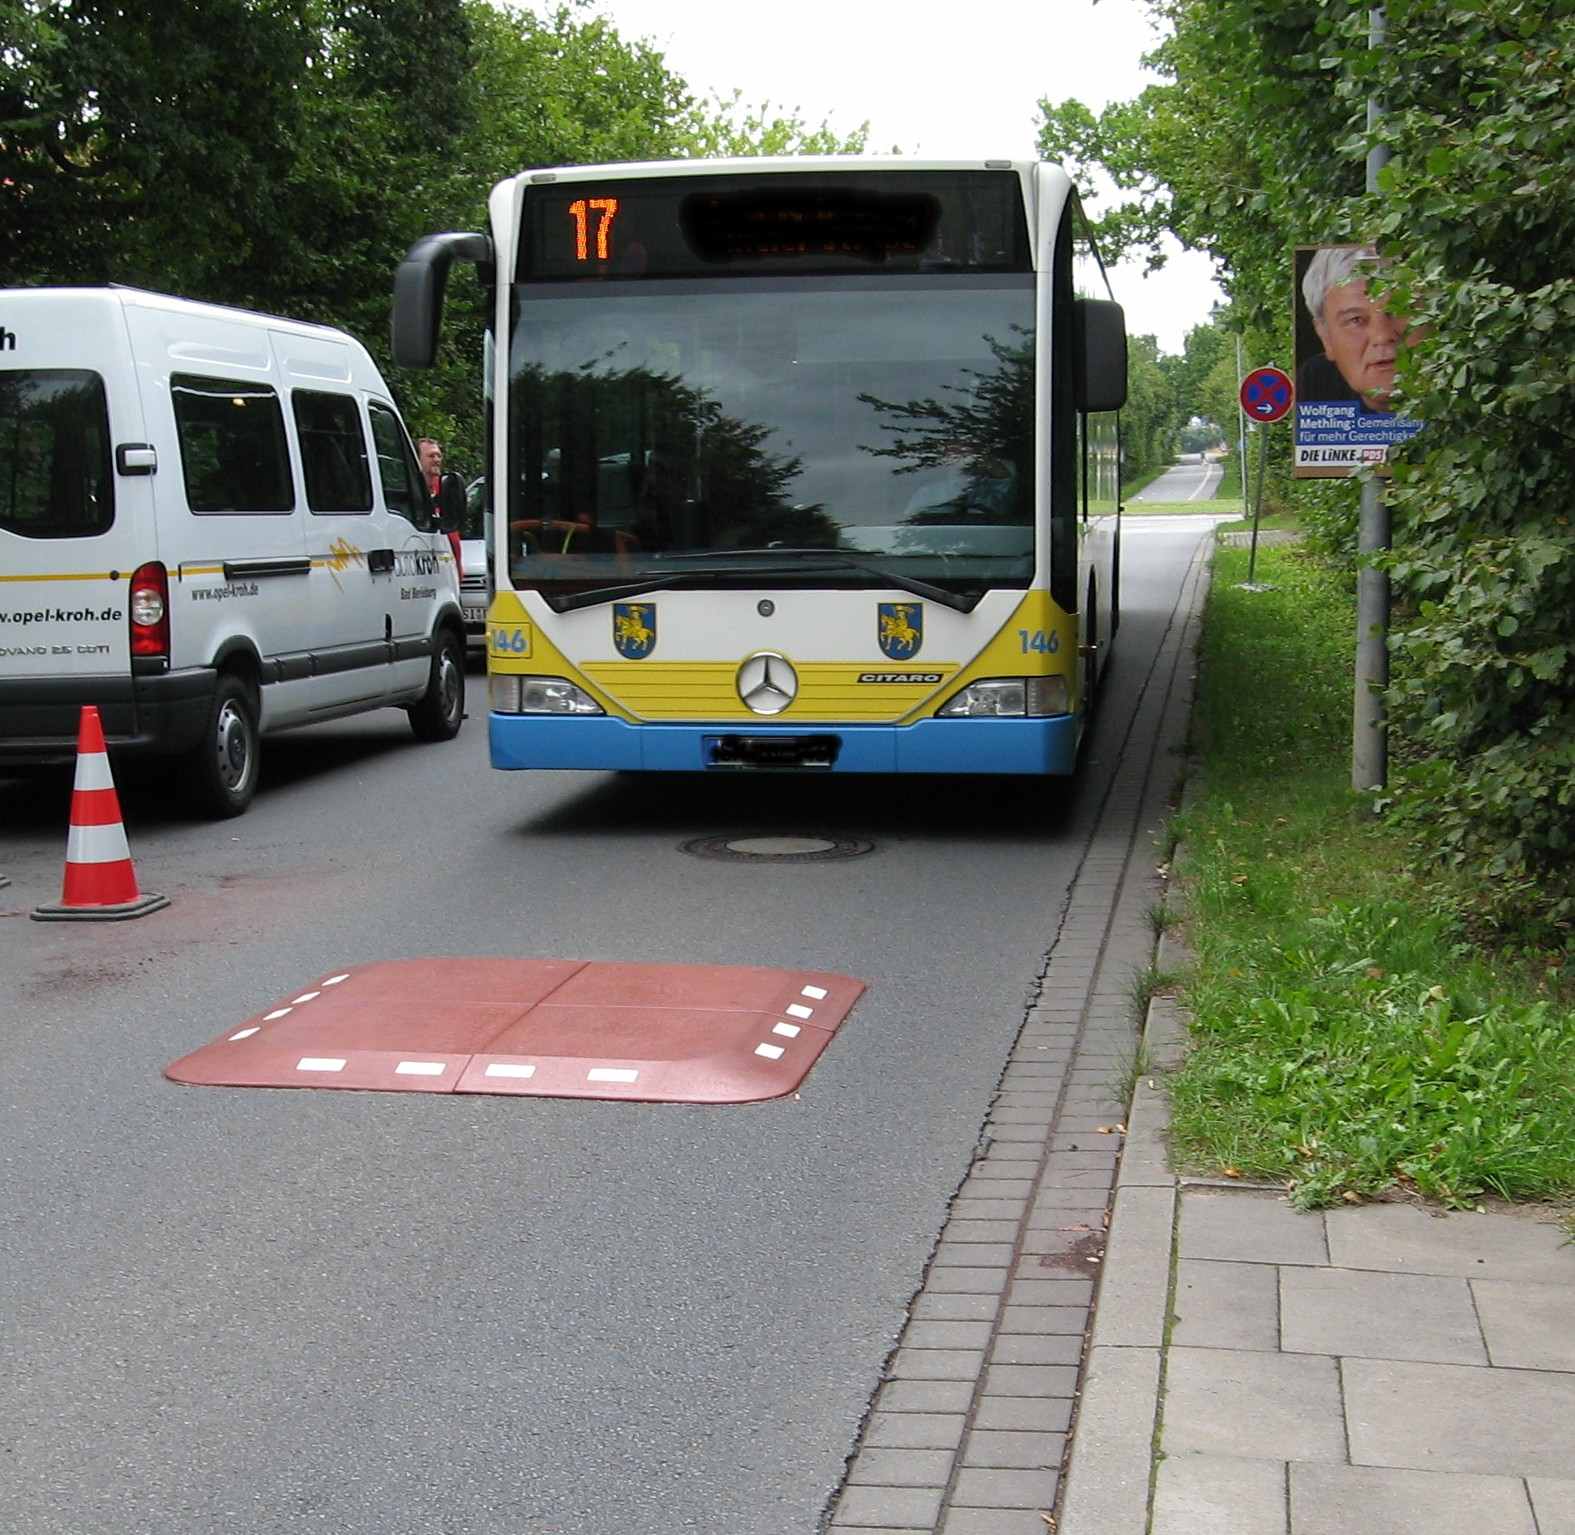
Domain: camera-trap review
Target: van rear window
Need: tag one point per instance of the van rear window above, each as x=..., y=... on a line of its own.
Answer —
x=55, y=475
x=232, y=448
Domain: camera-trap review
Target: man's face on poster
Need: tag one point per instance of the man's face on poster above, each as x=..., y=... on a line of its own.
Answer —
x=1361, y=340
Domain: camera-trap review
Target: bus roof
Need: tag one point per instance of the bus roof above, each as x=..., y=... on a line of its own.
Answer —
x=768, y=165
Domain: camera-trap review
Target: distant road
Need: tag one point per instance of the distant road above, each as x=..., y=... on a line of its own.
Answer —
x=1194, y=478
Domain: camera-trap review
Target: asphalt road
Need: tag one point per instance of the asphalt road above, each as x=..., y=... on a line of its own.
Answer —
x=278, y=1311
x=1192, y=478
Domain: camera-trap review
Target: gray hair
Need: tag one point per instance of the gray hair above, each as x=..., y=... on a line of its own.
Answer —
x=1331, y=266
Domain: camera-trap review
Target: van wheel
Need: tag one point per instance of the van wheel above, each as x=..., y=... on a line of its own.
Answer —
x=442, y=708
x=224, y=763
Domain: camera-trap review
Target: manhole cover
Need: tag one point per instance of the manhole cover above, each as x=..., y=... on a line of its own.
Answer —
x=777, y=849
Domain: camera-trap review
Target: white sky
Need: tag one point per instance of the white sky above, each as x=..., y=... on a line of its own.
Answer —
x=961, y=80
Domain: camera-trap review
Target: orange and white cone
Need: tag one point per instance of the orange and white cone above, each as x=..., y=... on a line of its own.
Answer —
x=100, y=883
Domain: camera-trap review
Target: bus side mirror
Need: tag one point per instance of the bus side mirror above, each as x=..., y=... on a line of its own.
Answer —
x=1102, y=355
x=418, y=292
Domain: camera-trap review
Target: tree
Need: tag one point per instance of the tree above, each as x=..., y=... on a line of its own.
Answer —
x=1205, y=346
x=127, y=150
x=1150, y=426
x=1256, y=142
x=720, y=128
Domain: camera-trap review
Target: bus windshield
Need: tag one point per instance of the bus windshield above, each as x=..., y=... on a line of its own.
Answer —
x=754, y=424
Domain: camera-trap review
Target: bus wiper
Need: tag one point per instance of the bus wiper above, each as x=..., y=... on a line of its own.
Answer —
x=825, y=560
x=656, y=581
x=601, y=594
x=962, y=602
x=836, y=559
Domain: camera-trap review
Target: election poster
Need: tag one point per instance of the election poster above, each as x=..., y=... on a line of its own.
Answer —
x=1346, y=346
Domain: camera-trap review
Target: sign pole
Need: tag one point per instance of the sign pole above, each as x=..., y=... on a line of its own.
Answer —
x=1257, y=500
x=1266, y=395
x=1370, y=723
x=1241, y=432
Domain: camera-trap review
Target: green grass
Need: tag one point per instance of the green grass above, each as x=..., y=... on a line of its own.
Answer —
x=1348, y=1037
x=1178, y=508
x=1144, y=986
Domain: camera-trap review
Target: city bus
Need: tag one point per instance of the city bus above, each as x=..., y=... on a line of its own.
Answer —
x=797, y=465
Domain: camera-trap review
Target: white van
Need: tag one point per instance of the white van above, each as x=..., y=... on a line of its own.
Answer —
x=213, y=527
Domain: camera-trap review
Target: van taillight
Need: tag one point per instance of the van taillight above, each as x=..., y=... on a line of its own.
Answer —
x=150, y=611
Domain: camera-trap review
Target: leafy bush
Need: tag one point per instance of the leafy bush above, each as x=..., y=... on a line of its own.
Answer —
x=1254, y=143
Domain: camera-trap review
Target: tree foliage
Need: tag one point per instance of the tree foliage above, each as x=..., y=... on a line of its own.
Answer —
x=284, y=154
x=126, y=143
x=1255, y=142
x=1151, y=420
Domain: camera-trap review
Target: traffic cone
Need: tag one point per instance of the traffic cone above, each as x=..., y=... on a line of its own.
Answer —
x=100, y=883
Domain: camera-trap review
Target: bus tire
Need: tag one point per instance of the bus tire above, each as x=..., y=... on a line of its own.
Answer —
x=440, y=711
x=224, y=764
x=1091, y=667
x=1115, y=585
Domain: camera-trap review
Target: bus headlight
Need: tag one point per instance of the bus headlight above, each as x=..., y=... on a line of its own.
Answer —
x=1009, y=698
x=552, y=695
x=538, y=695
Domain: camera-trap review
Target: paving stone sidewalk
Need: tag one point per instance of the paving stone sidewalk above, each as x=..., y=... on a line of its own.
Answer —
x=1384, y=1369
x=1102, y=1347
x=1373, y=1369
x=969, y=1433
x=1376, y=1370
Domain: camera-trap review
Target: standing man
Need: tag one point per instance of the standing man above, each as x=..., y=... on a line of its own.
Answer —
x=446, y=493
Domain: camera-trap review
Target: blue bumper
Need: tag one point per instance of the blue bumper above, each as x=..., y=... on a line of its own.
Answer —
x=1025, y=746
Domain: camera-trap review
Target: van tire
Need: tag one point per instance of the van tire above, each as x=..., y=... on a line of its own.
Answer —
x=223, y=766
x=441, y=711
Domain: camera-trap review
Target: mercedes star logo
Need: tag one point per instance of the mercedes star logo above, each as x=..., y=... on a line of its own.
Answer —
x=767, y=683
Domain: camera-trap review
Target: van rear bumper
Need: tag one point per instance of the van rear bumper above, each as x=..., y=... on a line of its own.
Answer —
x=155, y=716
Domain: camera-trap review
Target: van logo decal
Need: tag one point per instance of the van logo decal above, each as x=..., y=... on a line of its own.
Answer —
x=342, y=554
x=416, y=562
x=634, y=629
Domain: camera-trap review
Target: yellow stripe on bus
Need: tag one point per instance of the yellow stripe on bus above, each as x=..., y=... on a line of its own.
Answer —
x=827, y=690
x=1037, y=640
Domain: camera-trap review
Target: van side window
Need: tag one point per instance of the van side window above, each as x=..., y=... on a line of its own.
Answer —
x=232, y=448
x=55, y=476
x=333, y=452
x=404, y=491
